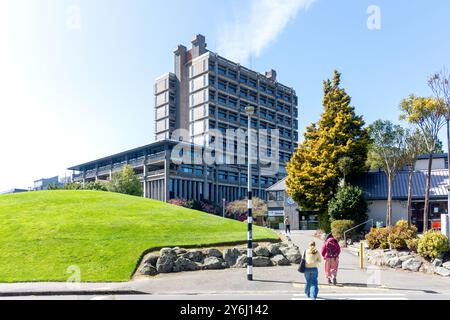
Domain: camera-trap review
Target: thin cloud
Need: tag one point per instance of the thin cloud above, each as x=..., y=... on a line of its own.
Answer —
x=250, y=33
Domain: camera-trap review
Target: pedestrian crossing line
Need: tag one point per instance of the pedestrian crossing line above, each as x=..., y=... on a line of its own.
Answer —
x=342, y=287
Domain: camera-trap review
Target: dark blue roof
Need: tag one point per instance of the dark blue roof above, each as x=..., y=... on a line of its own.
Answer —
x=375, y=186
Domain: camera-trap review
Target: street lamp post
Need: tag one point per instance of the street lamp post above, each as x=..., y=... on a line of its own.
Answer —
x=249, y=110
x=223, y=207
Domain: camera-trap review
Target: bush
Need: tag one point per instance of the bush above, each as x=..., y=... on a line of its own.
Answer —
x=377, y=238
x=338, y=227
x=99, y=186
x=400, y=234
x=432, y=244
x=349, y=203
x=412, y=244
x=126, y=182
x=324, y=222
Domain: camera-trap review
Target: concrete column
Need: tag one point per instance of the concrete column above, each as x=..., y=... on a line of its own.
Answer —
x=145, y=180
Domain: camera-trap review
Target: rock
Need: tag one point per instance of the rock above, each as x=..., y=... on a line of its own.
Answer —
x=213, y=263
x=404, y=258
x=293, y=255
x=167, y=251
x=411, y=264
x=196, y=256
x=183, y=264
x=148, y=270
x=241, y=262
x=437, y=263
x=274, y=249
x=442, y=271
x=179, y=251
x=213, y=252
x=426, y=267
x=446, y=265
x=262, y=251
x=230, y=256
x=165, y=263
x=280, y=260
x=260, y=261
x=151, y=259
x=394, y=262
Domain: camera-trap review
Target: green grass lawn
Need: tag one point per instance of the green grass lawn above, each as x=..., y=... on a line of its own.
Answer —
x=104, y=234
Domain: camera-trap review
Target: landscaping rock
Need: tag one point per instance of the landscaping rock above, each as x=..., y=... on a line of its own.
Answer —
x=411, y=264
x=211, y=263
x=442, y=271
x=241, y=262
x=262, y=251
x=404, y=258
x=274, y=249
x=394, y=262
x=165, y=263
x=179, y=251
x=196, y=256
x=230, y=256
x=213, y=252
x=446, y=265
x=260, y=261
x=183, y=264
x=426, y=267
x=437, y=263
x=280, y=260
x=293, y=255
x=167, y=251
x=148, y=270
x=151, y=259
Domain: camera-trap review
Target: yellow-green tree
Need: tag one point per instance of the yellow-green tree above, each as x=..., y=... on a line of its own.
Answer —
x=313, y=171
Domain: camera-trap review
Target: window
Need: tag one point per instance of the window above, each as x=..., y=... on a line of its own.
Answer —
x=192, y=71
x=252, y=96
x=243, y=79
x=252, y=83
x=270, y=90
x=222, y=114
x=232, y=176
x=232, y=102
x=186, y=169
x=198, y=170
x=212, y=66
x=222, y=70
x=222, y=99
x=232, y=88
x=212, y=80
x=243, y=93
x=254, y=123
x=232, y=74
x=222, y=175
x=233, y=117
x=243, y=121
x=222, y=85
x=212, y=110
x=287, y=109
x=212, y=95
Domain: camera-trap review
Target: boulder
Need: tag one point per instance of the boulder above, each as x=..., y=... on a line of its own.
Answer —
x=179, y=251
x=411, y=264
x=446, y=265
x=213, y=252
x=148, y=270
x=151, y=259
x=213, y=263
x=262, y=252
x=260, y=261
x=241, y=262
x=404, y=258
x=426, y=267
x=195, y=255
x=167, y=251
x=274, y=249
x=183, y=264
x=437, y=263
x=230, y=256
x=442, y=271
x=293, y=255
x=394, y=262
x=280, y=260
x=165, y=263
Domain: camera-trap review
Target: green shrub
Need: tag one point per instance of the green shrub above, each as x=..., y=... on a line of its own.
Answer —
x=377, y=238
x=324, y=222
x=349, y=203
x=400, y=234
x=412, y=244
x=338, y=227
x=432, y=244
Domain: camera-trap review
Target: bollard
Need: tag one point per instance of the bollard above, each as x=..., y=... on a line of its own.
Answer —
x=361, y=255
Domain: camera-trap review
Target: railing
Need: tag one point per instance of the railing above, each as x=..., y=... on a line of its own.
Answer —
x=359, y=225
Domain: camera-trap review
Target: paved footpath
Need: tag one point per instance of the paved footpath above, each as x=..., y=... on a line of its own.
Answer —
x=269, y=283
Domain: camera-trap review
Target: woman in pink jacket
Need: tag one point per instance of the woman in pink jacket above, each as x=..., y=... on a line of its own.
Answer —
x=330, y=253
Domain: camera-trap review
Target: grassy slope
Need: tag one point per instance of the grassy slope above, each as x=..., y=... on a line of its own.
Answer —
x=104, y=234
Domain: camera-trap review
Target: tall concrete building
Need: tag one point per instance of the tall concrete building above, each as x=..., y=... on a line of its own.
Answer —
x=206, y=93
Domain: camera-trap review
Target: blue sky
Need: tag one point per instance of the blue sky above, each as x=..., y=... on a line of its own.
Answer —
x=70, y=93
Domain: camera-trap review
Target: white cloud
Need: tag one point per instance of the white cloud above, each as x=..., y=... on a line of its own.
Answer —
x=251, y=32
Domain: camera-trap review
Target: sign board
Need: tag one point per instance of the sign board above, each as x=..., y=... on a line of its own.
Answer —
x=276, y=213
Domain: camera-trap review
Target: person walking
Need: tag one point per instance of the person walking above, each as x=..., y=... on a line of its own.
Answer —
x=312, y=258
x=287, y=225
x=330, y=252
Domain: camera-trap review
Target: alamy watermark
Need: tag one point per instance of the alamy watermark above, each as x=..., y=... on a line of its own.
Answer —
x=73, y=20
x=374, y=19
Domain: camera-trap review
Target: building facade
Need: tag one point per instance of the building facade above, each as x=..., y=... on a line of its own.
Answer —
x=205, y=95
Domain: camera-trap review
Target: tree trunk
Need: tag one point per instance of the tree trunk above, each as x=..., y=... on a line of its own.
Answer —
x=389, y=202
x=409, y=205
x=426, y=207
